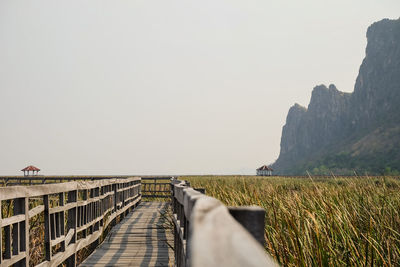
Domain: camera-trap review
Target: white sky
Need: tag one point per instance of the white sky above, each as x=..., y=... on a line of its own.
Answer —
x=167, y=87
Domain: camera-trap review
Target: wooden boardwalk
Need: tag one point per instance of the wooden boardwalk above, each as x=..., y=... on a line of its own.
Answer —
x=143, y=238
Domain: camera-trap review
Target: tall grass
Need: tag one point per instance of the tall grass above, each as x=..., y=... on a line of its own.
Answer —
x=321, y=222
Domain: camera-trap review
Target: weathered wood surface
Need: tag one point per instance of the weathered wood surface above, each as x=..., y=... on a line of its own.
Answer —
x=75, y=215
x=206, y=234
x=143, y=238
x=42, y=179
x=219, y=240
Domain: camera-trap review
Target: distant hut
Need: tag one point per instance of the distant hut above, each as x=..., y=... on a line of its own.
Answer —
x=31, y=168
x=264, y=171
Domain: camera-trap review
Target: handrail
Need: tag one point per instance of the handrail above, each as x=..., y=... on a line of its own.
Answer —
x=206, y=233
x=75, y=216
x=41, y=179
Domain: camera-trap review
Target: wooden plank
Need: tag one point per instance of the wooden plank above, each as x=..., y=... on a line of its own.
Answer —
x=252, y=218
x=155, y=196
x=70, y=250
x=130, y=187
x=1, y=234
x=178, y=192
x=92, y=223
x=52, y=227
x=14, y=259
x=66, y=178
x=165, y=184
x=47, y=228
x=7, y=239
x=61, y=208
x=15, y=239
x=57, y=240
x=190, y=196
x=25, y=233
x=19, y=228
x=157, y=191
x=36, y=210
x=40, y=190
x=156, y=178
x=140, y=239
x=210, y=218
x=57, y=225
x=69, y=236
x=14, y=219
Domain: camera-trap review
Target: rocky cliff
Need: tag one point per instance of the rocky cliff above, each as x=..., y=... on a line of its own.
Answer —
x=342, y=132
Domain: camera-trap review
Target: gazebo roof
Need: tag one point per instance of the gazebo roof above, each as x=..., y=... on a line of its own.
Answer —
x=264, y=168
x=30, y=168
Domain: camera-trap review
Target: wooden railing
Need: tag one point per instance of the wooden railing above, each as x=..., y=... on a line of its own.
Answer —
x=207, y=233
x=75, y=215
x=156, y=187
x=40, y=179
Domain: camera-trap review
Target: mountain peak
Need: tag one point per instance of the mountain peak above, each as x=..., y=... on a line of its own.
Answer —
x=326, y=132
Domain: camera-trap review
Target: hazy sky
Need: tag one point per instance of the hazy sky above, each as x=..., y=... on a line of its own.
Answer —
x=167, y=87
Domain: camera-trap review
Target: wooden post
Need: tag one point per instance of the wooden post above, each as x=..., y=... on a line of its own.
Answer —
x=72, y=224
x=1, y=234
x=7, y=238
x=62, y=219
x=84, y=212
x=252, y=218
x=15, y=239
x=18, y=209
x=201, y=190
x=115, y=199
x=15, y=233
x=21, y=231
x=47, y=227
x=26, y=240
x=155, y=186
x=97, y=208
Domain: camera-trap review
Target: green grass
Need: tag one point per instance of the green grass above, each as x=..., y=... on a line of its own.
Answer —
x=319, y=222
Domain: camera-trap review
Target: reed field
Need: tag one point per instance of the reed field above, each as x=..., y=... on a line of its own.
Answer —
x=337, y=221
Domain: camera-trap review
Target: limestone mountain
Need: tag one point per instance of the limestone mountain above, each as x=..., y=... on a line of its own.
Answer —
x=346, y=132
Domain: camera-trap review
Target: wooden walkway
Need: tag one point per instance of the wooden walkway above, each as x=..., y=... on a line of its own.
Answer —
x=143, y=238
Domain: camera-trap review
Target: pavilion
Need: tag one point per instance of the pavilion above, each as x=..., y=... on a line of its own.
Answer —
x=31, y=168
x=264, y=171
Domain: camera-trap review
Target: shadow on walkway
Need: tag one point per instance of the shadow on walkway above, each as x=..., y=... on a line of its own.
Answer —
x=141, y=239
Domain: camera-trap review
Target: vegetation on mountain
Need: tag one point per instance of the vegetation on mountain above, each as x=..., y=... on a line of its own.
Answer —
x=357, y=132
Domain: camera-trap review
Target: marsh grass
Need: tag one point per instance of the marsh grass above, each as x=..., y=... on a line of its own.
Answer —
x=319, y=222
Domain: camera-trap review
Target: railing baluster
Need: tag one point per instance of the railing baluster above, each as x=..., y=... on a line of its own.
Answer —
x=19, y=208
x=57, y=224
x=97, y=209
x=53, y=226
x=14, y=249
x=47, y=234
x=61, y=197
x=85, y=211
x=78, y=216
x=72, y=224
x=1, y=233
x=15, y=239
x=195, y=230
x=7, y=239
